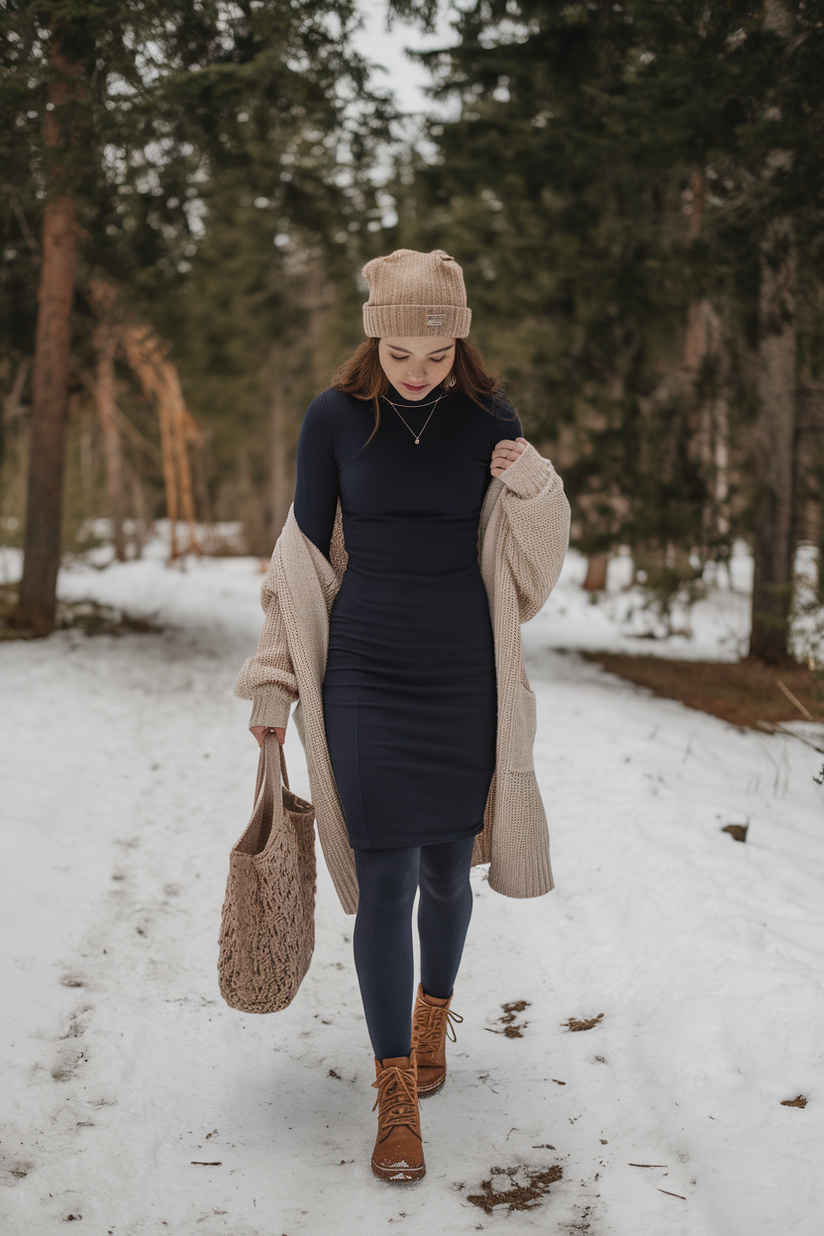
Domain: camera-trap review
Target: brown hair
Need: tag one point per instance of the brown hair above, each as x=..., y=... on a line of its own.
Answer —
x=362, y=376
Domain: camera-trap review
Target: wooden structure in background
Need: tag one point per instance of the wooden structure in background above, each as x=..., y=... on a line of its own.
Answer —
x=146, y=355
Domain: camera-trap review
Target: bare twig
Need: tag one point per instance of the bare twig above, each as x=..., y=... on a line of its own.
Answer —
x=12, y=401
x=137, y=438
x=804, y=711
x=775, y=727
x=28, y=234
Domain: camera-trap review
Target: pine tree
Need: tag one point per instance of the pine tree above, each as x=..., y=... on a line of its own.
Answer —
x=115, y=118
x=604, y=185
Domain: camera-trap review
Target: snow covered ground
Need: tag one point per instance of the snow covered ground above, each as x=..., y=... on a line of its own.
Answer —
x=131, y=1096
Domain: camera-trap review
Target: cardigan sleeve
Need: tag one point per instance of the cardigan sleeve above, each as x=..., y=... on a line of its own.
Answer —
x=537, y=516
x=268, y=678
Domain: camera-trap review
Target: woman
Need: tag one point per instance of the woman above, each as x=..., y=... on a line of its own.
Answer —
x=424, y=530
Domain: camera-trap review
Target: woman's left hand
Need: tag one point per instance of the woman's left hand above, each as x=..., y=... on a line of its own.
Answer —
x=505, y=453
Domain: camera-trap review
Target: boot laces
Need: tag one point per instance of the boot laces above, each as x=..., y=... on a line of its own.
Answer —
x=428, y=1026
x=397, y=1095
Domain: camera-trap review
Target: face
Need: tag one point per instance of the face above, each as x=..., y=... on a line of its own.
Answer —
x=414, y=366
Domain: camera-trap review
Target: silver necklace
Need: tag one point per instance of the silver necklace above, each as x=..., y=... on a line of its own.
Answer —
x=417, y=436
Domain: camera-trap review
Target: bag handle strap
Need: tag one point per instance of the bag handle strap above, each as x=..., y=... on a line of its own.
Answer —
x=265, y=771
x=284, y=774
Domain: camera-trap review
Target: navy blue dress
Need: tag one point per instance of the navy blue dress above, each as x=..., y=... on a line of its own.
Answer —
x=409, y=693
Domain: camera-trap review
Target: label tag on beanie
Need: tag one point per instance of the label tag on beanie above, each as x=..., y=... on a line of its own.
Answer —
x=436, y=319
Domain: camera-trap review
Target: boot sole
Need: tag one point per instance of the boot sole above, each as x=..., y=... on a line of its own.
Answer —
x=423, y=1094
x=398, y=1175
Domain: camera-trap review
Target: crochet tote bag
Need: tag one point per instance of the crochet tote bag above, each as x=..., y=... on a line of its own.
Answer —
x=267, y=931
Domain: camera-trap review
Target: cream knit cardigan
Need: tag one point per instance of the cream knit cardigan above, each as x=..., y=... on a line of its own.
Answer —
x=522, y=540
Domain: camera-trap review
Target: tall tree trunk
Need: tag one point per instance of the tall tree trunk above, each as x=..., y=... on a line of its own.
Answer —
x=87, y=450
x=705, y=347
x=203, y=503
x=775, y=426
x=809, y=466
x=775, y=448
x=140, y=520
x=104, y=389
x=720, y=412
x=596, y=576
x=704, y=342
x=37, y=601
x=185, y=429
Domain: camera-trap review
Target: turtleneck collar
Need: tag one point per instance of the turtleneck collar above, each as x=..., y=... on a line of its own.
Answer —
x=396, y=397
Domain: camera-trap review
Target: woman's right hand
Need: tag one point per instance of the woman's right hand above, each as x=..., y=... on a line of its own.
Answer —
x=260, y=732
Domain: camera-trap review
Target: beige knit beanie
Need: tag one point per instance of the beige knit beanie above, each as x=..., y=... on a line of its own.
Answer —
x=413, y=294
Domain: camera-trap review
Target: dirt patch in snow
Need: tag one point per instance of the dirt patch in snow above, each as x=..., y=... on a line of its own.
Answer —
x=745, y=693
x=511, y=1029
x=88, y=616
x=12, y=1171
x=576, y=1024
x=523, y=1190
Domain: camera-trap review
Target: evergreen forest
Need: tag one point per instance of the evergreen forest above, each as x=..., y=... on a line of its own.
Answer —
x=635, y=192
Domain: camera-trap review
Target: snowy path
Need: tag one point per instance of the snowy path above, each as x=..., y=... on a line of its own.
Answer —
x=127, y=774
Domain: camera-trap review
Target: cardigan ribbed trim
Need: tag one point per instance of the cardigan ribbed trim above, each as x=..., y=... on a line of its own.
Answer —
x=522, y=539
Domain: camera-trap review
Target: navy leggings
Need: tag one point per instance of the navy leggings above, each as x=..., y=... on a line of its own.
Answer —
x=388, y=881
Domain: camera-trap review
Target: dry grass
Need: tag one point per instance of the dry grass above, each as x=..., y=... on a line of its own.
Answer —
x=745, y=693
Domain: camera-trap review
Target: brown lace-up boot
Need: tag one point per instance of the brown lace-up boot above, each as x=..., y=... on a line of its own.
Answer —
x=398, y=1153
x=432, y=1020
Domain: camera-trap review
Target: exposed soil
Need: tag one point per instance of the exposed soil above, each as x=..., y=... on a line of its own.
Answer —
x=575, y=1024
x=511, y=1030
x=517, y=1196
x=745, y=693
x=88, y=616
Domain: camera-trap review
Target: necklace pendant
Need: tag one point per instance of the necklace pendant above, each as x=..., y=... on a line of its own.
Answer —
x=417, y=442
